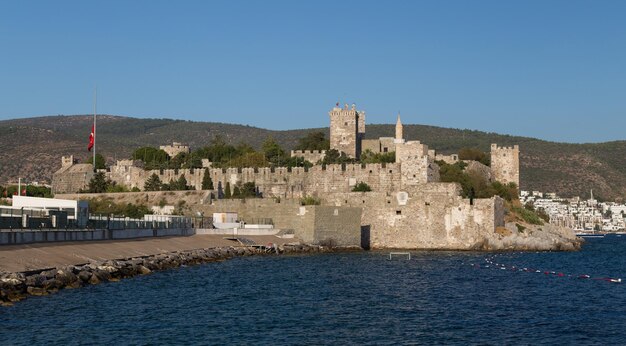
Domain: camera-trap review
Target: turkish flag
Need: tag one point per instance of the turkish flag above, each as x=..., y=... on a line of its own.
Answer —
x=24, y=192
x=91, y=138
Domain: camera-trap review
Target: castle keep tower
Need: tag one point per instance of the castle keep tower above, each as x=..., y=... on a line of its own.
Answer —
x=347, y=129
x=505, y=164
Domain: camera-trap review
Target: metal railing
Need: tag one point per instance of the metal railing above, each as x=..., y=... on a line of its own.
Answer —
x=36, y=219
x=155, y=222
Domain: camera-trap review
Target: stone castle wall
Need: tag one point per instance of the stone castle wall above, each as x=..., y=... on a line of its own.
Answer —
x=380, y=145
x=312, y=156
x=449, y=159
x=430, y=216
x=175, y=149
x=293, y=182
x=505, y=164
x=311, y=223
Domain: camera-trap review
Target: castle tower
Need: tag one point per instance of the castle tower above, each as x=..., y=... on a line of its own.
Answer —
x=347, y=129
x=505, y=164
x=399, y=129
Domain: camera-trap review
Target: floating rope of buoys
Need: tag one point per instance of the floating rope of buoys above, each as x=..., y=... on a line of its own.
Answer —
x=492, y=264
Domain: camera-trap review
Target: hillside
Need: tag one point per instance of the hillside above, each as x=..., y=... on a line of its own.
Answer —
x=31, y=148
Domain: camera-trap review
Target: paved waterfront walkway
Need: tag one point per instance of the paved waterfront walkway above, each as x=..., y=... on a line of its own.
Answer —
x=17, y=258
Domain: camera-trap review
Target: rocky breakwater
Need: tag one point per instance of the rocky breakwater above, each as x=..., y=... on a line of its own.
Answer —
x=528, y=237
x=17, y=286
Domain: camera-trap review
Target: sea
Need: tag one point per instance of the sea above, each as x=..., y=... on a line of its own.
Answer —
x=436, y=297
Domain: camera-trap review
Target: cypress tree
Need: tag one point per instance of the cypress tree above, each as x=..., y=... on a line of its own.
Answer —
x=182, y=183
x=227, y=190
x=153, y=183
x=207, y=182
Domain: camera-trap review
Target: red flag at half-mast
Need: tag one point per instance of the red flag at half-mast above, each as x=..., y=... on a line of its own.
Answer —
x=91, y=139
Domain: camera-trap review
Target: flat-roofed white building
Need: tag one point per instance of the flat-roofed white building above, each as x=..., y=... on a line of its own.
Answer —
x=76, y=210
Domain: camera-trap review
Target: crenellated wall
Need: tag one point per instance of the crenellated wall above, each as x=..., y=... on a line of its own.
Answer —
x=312, y=156
x=291, y=182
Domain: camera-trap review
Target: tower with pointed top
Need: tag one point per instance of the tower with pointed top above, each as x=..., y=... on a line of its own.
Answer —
x=399, y=135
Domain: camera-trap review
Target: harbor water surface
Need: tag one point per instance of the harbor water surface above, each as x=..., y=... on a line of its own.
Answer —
x=346, y=298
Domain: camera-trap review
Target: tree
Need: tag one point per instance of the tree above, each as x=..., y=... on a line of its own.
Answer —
x=180, y=184
x=152, y=158
x=313, y=141
x=153, y=183
x=248, y=190
x=186, y=160
x=297, y=161
x=252, y=159
x=219, y=152
x=361, y=187
x=207, y=182
x=114, y=187
x=220, y=190
x=236, y=192
x=474, y=184
x=273, y=152
x=368, y=156
x=474, y=155
x=227, y=190
x=100, y=162
x=98, y=183
x=333, y=156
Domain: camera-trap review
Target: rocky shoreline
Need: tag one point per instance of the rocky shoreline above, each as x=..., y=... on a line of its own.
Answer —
x=18, y=286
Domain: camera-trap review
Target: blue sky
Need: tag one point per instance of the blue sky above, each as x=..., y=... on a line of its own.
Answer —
x=555, y=70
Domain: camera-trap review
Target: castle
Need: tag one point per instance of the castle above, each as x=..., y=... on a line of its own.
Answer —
x=408, y=207
x=414, y=165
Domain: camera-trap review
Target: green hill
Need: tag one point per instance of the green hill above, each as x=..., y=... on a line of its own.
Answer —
x=31, y=148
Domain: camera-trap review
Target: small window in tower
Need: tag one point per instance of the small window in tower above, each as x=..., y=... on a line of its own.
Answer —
x=346, y=123
x=385, y=150
x=398, y=212
x=390, y=171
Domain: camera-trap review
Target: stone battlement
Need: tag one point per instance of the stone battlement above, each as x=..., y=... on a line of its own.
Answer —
x=312, y=156
x=505, y=164
x=175, y=149
x=293, y=152
x=67, y=161
x=494, y=146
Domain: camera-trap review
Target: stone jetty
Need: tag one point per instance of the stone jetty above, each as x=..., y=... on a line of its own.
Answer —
x=19, y=285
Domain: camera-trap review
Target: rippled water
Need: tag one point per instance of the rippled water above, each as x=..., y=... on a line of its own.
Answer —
x=357, y=298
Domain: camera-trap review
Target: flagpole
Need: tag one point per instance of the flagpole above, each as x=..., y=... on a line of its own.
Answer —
x=95, y=103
